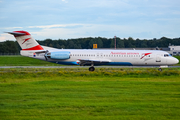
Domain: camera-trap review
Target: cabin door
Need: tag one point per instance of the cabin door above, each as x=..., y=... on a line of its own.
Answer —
x=158, y=58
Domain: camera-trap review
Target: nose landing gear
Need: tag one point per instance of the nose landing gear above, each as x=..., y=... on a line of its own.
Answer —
x=160, y=67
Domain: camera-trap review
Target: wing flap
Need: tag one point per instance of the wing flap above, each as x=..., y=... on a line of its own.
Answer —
x=92, y=61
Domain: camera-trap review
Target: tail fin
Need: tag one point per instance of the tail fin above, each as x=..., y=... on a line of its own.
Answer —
x=26, y=41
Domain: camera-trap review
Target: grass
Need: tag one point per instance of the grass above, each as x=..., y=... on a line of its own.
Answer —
x=76, y=93
x=79, y=94
x=19, y=60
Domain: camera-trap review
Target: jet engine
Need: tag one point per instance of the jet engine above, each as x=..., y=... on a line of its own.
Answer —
x=60, y=55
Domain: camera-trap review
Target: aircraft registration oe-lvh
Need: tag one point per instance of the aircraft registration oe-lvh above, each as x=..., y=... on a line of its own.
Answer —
x=92, y=57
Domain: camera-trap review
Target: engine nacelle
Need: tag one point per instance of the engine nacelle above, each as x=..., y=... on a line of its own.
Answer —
x=60, y=55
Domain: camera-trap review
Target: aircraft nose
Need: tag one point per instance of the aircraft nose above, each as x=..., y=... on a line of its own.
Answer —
x=175, y=61
x=172, y=61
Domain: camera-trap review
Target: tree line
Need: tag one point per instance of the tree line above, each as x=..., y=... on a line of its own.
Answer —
x=87, y=43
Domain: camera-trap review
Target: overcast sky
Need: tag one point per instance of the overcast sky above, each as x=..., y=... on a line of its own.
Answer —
x=63, y=19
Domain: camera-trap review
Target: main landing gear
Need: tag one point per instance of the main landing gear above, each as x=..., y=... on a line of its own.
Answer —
x=92, y=67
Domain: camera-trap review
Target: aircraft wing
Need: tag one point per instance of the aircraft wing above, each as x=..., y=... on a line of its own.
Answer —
x=92, y=61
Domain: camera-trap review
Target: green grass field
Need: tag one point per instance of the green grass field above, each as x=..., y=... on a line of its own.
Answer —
x=23, y=61
x=76, y=93
x=67, y=94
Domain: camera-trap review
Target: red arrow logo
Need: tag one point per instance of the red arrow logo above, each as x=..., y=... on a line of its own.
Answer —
x=26, y=40
x=145, y=54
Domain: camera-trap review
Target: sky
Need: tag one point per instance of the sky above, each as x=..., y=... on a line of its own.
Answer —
x=66, y=19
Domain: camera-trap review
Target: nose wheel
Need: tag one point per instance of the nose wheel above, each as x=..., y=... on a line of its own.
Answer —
x=160, y=69
x=91, y=68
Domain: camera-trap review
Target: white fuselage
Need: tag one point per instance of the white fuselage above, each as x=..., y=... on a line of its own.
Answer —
x=109, y=57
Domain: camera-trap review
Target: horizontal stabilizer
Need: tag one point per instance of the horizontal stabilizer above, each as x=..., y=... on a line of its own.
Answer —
x=16, y=33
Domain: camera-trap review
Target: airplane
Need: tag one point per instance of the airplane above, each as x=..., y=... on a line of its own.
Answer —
x=92, y=57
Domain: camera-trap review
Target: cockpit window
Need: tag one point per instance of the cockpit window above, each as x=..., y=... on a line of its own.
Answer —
x=167, y=55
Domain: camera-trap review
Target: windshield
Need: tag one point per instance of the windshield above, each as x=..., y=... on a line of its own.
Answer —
x=167, y=55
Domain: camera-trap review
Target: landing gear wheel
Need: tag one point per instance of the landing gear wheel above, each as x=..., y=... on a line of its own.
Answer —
x=91, y=69
x=160, y=69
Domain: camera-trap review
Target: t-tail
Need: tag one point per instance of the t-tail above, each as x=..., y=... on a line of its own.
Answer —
x=28, y=44
x=26, y=41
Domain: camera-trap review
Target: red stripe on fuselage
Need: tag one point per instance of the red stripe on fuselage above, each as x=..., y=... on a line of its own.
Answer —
x=38, y=47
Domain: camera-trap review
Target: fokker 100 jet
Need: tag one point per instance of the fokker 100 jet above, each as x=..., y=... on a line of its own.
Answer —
x=92, y=57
